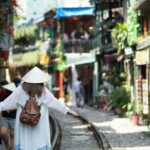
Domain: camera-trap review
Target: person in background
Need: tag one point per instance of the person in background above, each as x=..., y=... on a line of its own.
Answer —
x=16, y=81
x=102, y=99
x=117, y=17
x=7, y=119
x=0, y=141
x=79, y=92
x=81, y=34
x=1, y=94
x=38, y=136
x=65, y=41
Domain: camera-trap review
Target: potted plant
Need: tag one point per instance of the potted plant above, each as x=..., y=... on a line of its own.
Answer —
x=119, y=99
x=132, y=113
x=131, y=108
x=135, y=119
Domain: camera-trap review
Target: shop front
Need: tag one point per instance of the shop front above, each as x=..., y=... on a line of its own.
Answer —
x=85, y=65
x=142, y=78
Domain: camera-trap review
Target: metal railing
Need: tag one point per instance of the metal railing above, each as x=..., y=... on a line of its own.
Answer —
x=81, y=45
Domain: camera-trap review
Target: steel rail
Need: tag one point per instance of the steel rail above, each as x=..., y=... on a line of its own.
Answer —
x=99, y=136
x=56, y=134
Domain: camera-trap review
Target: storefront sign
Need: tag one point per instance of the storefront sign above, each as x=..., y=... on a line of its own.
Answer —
x=142, y=57
x=145, y=96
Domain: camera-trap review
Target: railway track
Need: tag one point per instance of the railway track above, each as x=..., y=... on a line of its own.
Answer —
x=76, y=133
x=64, y=138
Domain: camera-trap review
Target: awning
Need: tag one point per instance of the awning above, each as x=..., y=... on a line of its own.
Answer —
x=70, y=12
x=31, y=21
x=79, y=59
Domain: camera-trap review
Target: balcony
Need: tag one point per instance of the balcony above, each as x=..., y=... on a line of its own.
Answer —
x=81, y=45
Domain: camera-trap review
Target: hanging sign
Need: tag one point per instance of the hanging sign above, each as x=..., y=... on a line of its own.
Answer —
x=142, y=57
x=143, y=44
x=139, y=95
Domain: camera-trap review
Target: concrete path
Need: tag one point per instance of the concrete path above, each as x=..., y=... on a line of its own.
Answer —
x=119, y=132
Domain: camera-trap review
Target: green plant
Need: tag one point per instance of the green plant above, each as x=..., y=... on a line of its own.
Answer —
x=120, y=97
x=6, y=15
x=28, y=31
x=117, y=76
x=119, y=36
x=58, y=52
x=25, y=36
x=148, y=122
x=133, y=25
x=131, y=108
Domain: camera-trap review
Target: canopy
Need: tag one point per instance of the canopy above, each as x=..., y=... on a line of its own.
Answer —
x=79, y=58
x=70, y=12
x=31, y=21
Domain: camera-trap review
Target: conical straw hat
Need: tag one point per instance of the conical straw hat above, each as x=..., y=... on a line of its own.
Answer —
x=35, y=75
x=10, y=87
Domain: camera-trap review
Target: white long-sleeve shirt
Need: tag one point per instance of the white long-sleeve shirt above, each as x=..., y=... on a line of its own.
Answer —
x=37, y=137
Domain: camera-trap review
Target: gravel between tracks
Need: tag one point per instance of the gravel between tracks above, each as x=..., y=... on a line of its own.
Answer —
x=119, y=132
